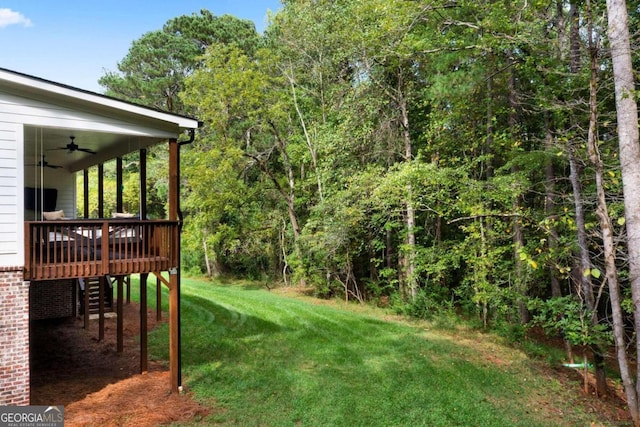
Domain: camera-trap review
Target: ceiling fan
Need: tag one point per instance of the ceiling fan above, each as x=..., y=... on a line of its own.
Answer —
x=72, y=146
x=44, y=164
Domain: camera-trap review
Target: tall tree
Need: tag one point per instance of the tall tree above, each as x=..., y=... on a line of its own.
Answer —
x=602, y=211
x=244, y=104
x=627, y=117
x=387, y=60
x=153, y=71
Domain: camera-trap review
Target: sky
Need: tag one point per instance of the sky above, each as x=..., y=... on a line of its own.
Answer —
x=75, y=42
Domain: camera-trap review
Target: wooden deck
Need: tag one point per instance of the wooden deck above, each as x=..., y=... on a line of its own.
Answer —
x=87, y=248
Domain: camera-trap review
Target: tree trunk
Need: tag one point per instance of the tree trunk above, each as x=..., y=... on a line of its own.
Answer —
x=289, y=194
x=312, y=149
x=488, y=142
x=411, y=216
x=388, y=257
x=583, y=274
x=483, y=254
x=586, y=286
x=518, y=234
x=550, y=213
x=574, y=37
x=601, y=210
x=412, y=282
x=206, y=256
x=627, y=117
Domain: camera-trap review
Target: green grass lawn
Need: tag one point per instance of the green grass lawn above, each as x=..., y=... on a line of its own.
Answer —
x=261, y=358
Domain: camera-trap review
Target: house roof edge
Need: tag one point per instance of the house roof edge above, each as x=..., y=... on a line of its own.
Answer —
x=61, y=89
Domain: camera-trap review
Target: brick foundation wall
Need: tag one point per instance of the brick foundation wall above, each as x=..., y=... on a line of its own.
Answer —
x=14, y=337
x=50, y=300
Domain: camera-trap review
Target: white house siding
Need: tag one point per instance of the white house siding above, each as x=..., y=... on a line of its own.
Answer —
x=11, y=194
x=66, y=193
x=14, y=292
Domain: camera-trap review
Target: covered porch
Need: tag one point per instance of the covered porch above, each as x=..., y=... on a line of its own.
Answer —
x=67, y=132
x=107, y=251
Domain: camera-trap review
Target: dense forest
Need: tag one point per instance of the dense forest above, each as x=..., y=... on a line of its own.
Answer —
x=429, y=156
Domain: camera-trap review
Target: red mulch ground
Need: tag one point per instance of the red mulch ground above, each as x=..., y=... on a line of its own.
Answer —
x=97, y=385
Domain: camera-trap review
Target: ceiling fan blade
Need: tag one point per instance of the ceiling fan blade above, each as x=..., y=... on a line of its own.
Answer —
x=44, y=163
x=72, y=146
x=86, y=150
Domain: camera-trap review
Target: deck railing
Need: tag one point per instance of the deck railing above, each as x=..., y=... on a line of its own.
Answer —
x=86, y=248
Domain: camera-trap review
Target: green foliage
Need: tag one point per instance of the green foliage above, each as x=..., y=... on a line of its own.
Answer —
x=205, y=29
x=153, y=71
x=130, y=190
x=430, y=303
x=567, y=317
x=410, y=153
x=387, y=149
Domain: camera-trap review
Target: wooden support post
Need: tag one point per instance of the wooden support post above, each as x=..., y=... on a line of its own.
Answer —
x=143, y=184
x=119, y=184
x=109, y=294
x=104, y=248
x=85, y=184
x=174, y=185
x=101, y=283
x=174, y=301
x=86, y=305
x=143, y=322
x=119, y=313
x=128, y=283
x=174, y=275
x=158, y=300
x=100, y=190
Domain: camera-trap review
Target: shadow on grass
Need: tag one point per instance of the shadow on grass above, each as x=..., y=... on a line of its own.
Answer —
x=292, y=362
x=250, y=285
x=356, y=369
x=214, y=333
x=255, y=286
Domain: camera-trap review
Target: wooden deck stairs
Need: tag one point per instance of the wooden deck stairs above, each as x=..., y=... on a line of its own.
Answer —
x=92, y=286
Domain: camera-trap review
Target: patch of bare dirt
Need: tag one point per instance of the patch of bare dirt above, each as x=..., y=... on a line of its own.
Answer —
x=97, y=385
x=610, y=409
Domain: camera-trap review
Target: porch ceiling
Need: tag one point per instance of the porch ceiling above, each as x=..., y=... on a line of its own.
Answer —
x=39, y=141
